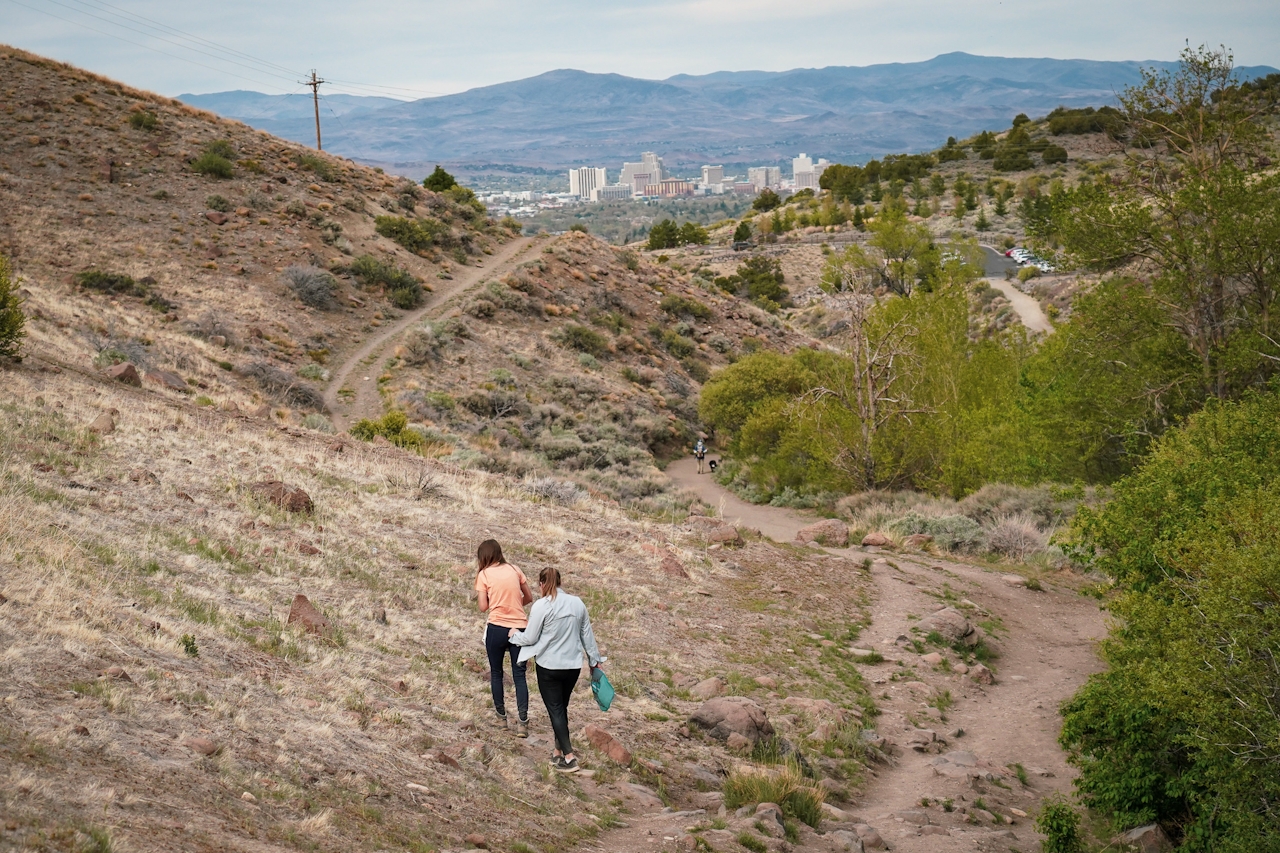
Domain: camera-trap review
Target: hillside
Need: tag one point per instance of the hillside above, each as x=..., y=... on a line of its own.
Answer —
x=850, y=114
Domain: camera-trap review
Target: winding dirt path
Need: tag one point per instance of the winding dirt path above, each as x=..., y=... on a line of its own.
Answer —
x=1029, y=310
x=956, y=743
x=359, y=371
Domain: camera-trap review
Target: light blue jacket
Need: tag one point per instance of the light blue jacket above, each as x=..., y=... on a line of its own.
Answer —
x=558, y=633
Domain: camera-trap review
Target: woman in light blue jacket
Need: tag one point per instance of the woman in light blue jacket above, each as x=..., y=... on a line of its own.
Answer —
x=558, y=634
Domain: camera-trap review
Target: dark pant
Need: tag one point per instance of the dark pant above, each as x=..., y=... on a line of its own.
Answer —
x=556, y=686
x=498, y=647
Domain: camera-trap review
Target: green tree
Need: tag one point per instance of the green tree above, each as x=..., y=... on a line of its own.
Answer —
x=664, y=235
x=982, y=223
x=742, y=233
x=766, y=201
x=439, y=180
x=12, y=320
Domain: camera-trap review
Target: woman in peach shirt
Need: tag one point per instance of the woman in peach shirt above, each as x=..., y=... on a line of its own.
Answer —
x=502, y=591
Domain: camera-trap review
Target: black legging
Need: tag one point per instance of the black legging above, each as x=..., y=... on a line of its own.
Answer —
x=497, y=646
x=556, y=686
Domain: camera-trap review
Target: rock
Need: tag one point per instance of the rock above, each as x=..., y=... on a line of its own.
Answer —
x=116, y=673
x=830, y=812
x=82, y=731
x=307, y=549
x=846, y=840
x=380, y=615
x=876, y=540
x=607, y=744
x=218, y=340
x=961, y=668
x=282, y=495
x=871, y=839
x=932, y=659
x=169, y=380
x=475, y=839
x=861, y=653
x=124, y=372
x=950, y=623
x=262, y=412
x=202, y=745
x=707, y=688
x=439, y=756
x=724, y=535
x=1014, y=580
x=737, y=742
x=215, y=217
x=645, y=796
x=982, y=815
x=770, y=813
x=1147, y=839
x=933, y=830
x=917, y=541
x=102, y=425
x=305, y=614
x=981, y=674
x=829, y=531
x=765, y=682
x=248, y=798
x=728, y=714
x=673, y=568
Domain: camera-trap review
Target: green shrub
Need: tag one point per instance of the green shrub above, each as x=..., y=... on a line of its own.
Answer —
x=12, y=320
x=682, y=306
x=439, y=181
x=143, y=120
x=1027, y=273
x=218, y=203
x=107, y=282
x=786, y=787
x=1060, y=825
x=393, y=426
x=402, y=287
x=317, y=165
x=1054, y=154
x=766, y=201
x=677, y=344
x=578, y=226
x=515, y=226
x=317, y=422
x=222, y=148
x=214, y=166
x=585, y=340
x=416, y=235
x=950, y=532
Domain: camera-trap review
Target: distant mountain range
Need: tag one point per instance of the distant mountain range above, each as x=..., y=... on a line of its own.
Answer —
x=571, y=118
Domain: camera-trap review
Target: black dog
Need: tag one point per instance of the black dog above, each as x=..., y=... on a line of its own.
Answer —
x=712, y=465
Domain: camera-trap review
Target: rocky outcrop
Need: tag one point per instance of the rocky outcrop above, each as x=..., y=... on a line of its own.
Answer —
x=829, y=531
x=727, y=715
x=124, y=372
x=288, y=498
x=304, y=613
x=876, y=540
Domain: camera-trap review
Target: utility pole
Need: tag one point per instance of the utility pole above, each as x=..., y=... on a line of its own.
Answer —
x=314, y=83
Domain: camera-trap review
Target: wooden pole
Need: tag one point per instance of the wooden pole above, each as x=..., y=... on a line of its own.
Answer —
x=314, y=83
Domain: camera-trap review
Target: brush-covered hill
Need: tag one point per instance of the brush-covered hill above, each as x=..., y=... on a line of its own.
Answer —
x=158, y=696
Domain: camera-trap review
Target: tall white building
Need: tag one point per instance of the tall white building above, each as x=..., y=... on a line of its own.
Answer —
x=806, y=172
x=613, y=192
x=712, y=175
x=649, y=168
x=583, y=181
x=765, y=177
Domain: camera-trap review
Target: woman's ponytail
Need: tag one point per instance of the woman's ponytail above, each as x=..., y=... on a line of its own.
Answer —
x=549, y=581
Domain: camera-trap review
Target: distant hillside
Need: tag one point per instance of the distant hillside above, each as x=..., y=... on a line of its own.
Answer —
x=566, y=117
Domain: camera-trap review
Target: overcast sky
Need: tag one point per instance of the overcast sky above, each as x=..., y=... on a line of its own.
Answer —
x=427, y=47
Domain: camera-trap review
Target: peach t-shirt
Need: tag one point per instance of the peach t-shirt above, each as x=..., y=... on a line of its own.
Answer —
x=505, y=585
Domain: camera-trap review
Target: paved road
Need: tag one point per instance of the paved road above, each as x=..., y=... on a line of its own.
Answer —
x=360, y=369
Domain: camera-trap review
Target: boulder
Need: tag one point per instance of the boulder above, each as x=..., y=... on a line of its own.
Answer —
x=876, y=540
x=917, y=541
x=707, y=688
x=829, y=531
x=1147, y=839
x=305, y=614
x=281, y=494
x=167, y=379
x=607, y=744
x=477, y=840
x=262, y=412
x=724, y=534
x=981, y=674
x=201, y=745
x=725, y=715
x=673, y=568
x=102, y=425
x=215, y=217
x=870, y=838
x=848, y=841
x=123, y=372
x=950, y=623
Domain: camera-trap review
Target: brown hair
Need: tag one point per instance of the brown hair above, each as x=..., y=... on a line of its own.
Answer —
x=549, y=581
x=489, y=554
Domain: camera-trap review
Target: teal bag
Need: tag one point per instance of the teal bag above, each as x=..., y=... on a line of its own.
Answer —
x=601, y=688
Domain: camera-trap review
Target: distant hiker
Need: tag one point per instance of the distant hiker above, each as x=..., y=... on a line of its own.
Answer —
x=559, y=633
x=700, y=451
x=502, y=590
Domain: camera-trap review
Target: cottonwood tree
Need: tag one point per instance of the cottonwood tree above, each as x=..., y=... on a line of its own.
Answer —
x=1194, y=215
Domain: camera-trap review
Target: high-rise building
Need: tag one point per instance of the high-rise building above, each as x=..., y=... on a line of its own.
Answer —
x=765, y=177
x=806, y=173
x=650, y=165
x=613, y=192
x=712, y=175
x=583, y=181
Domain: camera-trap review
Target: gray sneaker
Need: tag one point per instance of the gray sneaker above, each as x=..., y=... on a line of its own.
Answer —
x=501, y=722
x=563, y=766
x=522, y=728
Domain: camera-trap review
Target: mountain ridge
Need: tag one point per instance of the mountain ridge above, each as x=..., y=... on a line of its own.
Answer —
x=566, y=117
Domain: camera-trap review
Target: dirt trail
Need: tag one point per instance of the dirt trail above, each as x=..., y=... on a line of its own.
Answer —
x=363, y=363
x=1028, y=308
x=955, y=743
x=778, y=524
